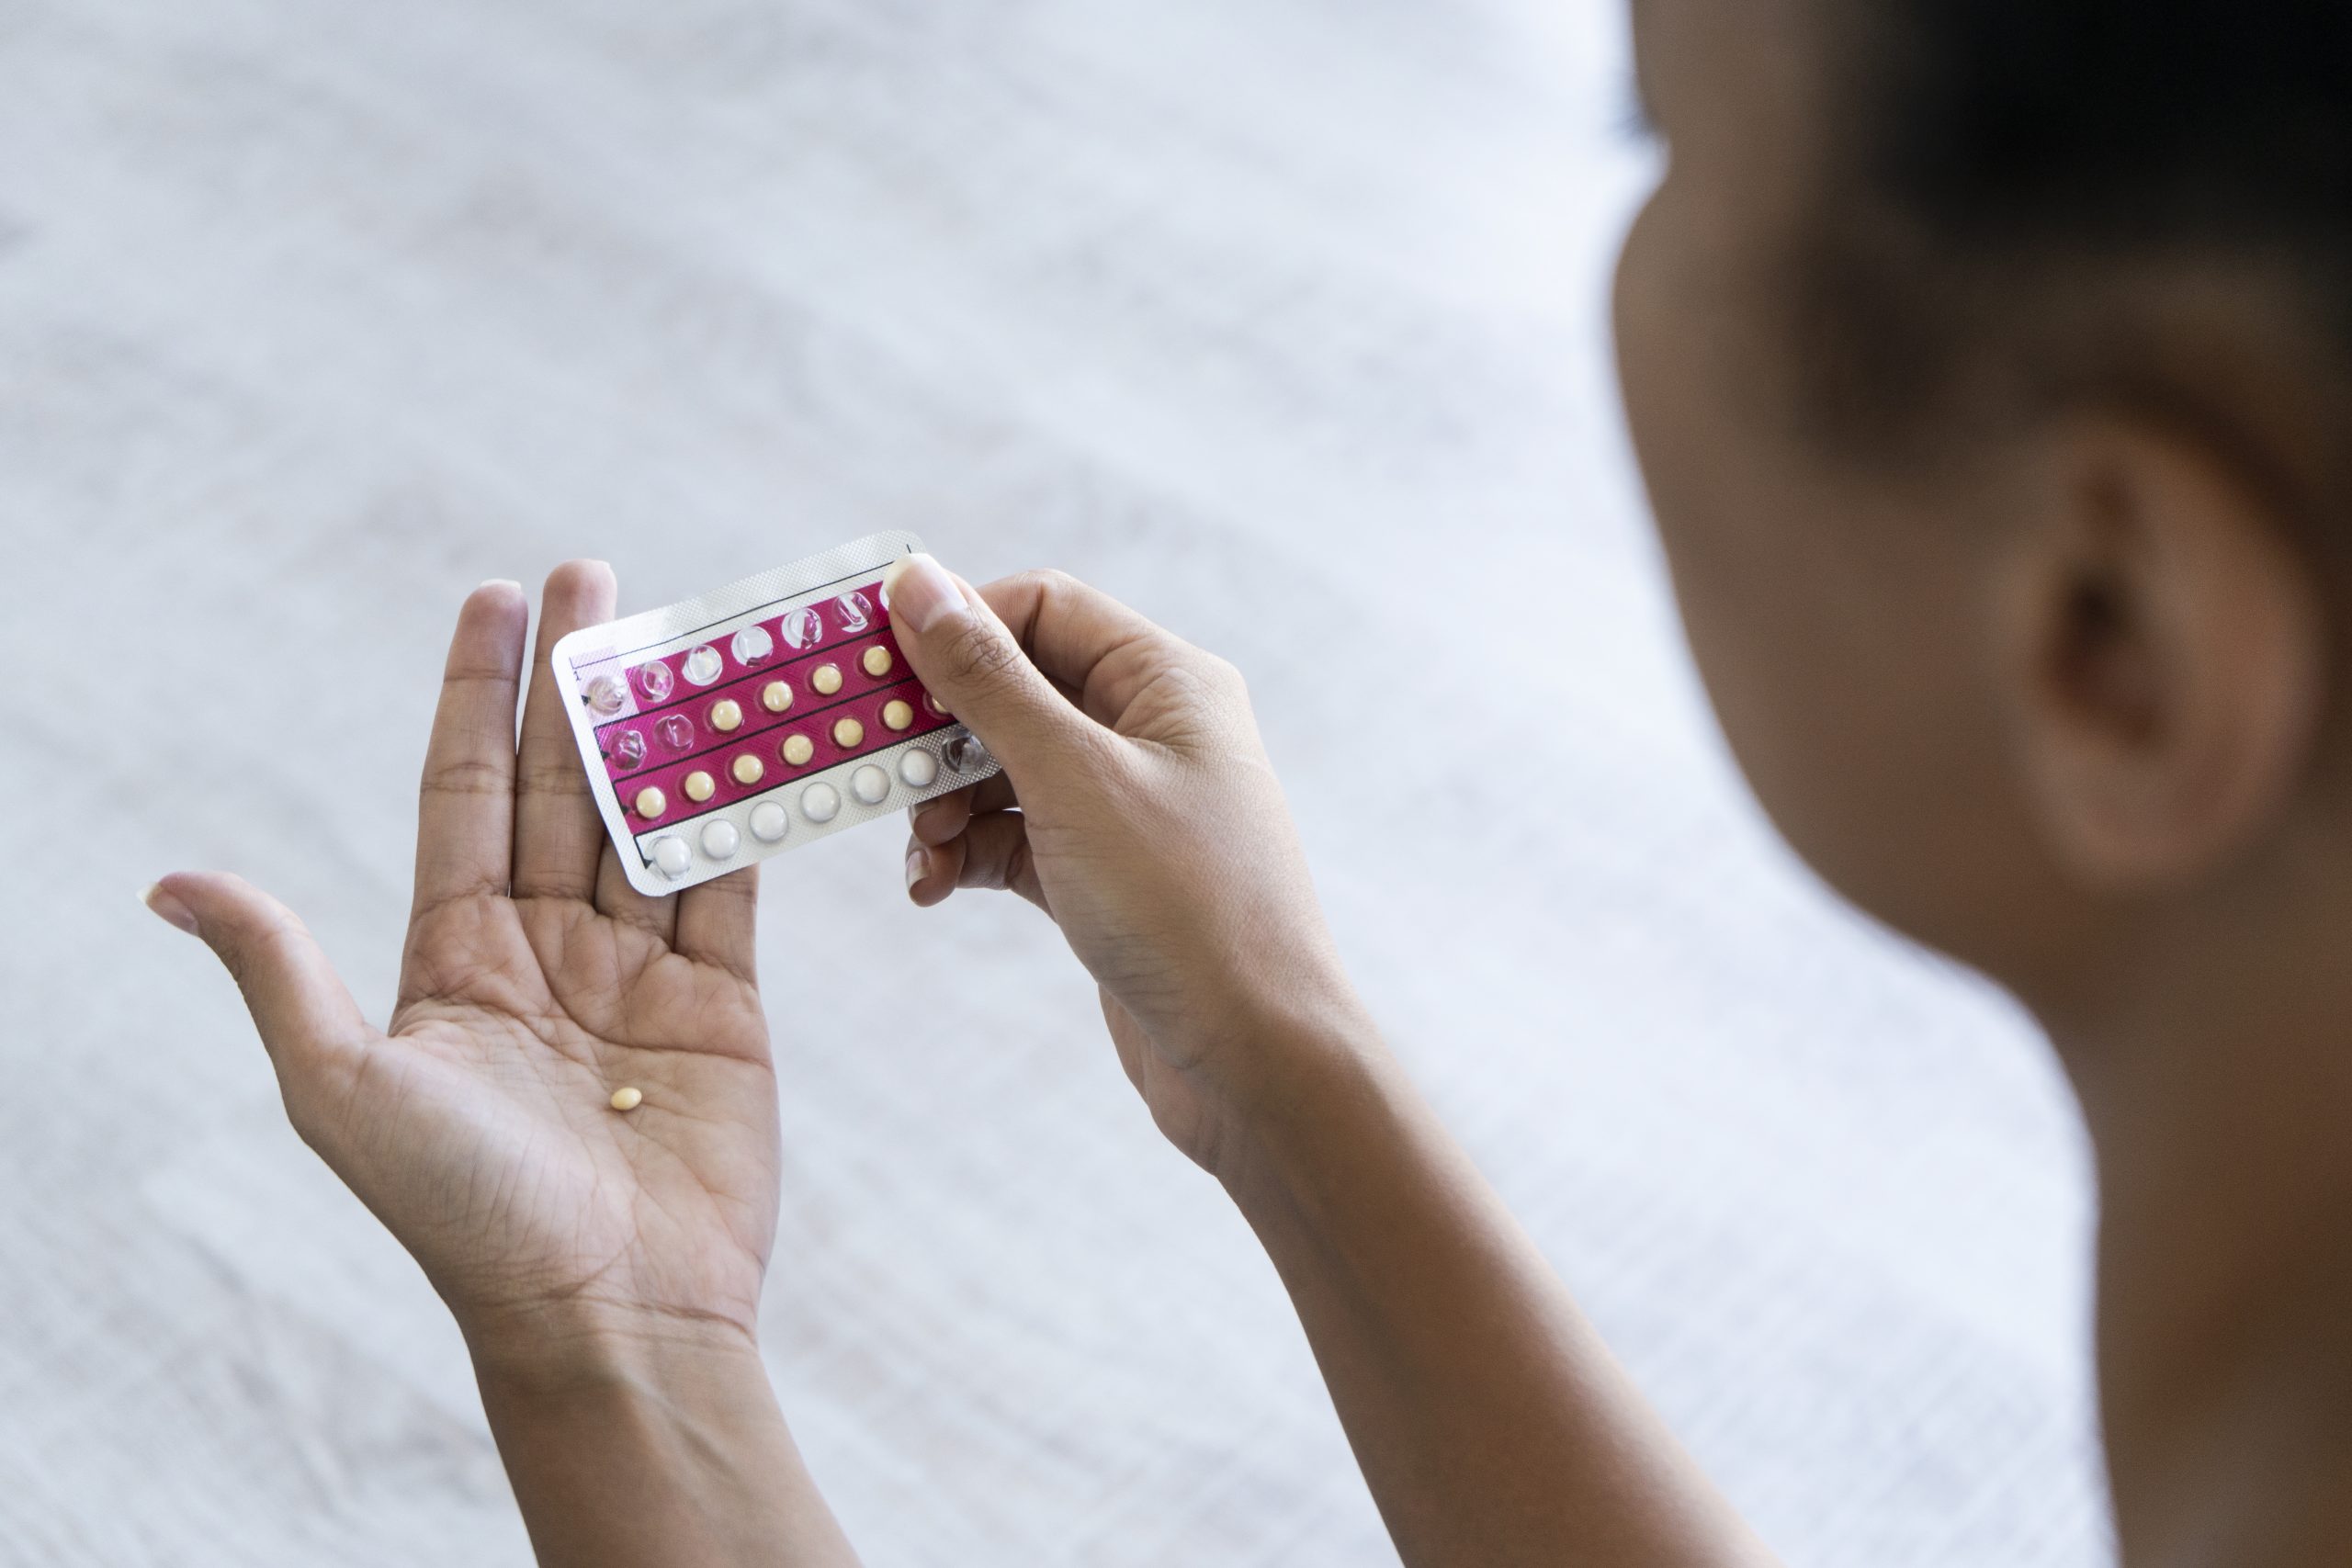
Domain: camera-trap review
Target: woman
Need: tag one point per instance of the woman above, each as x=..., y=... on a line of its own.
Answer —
x=1987, y=362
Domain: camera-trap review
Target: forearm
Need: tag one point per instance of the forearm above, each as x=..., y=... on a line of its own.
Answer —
x=660, y=1451
x=1492, y=1424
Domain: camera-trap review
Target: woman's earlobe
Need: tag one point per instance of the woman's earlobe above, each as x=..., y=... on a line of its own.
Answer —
x=2164, y=641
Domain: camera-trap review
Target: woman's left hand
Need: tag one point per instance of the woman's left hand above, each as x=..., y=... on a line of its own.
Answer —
x=535, y=983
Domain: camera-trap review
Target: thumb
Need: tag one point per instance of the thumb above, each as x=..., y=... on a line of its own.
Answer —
x=971, y=661
x=299, y=1004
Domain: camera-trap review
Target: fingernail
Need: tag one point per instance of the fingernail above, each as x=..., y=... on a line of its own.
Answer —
x=921, y=592
x=500, y=582
x=918, y=867
x=169, y=907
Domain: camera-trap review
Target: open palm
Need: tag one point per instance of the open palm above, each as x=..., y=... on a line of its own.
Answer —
x=535, y=983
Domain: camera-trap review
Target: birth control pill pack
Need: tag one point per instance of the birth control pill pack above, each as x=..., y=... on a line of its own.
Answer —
x=775, y=711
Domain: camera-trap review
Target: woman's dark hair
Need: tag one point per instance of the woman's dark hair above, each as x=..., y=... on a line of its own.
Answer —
x=2118, y=122
x=1981, y=148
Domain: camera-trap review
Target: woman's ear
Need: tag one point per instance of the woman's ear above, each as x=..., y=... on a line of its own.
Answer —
x=2163, y=648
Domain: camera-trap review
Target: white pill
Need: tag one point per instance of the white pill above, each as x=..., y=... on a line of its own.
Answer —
x=768, y=822
x=703, y=665
x=869, y=783
x=820, y=803
x=719, y=840
x=918, y=768
x=672, y=856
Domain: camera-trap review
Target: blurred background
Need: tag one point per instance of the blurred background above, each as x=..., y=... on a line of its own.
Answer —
x=1284, y=319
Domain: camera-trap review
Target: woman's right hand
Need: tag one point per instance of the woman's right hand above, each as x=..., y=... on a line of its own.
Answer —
x=1138, y=809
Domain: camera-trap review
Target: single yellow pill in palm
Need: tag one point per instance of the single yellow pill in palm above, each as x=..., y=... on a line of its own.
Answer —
x=799, y=748
x=776, y=696
x=827, y=679
x=725, y=715
x=627, y=1098
x=652, y=802
x=747, y=770
x=897, y=715
x=848, y=733
x=699, y=785
x=876, y=662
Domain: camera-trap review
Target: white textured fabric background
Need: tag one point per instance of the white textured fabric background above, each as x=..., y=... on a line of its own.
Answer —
x=1283, y=319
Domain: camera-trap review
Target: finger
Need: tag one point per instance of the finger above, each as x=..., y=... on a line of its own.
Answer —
x=465, y=820
x=932, y=869
x=1087, y=642
x=617, y=900
x=937, y=820
x=974, y=665
x=557, y=830
x=992, y=852
x=717, y=923
x=301, y=1008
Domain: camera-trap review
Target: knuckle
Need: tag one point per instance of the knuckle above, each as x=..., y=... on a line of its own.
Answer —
x=1226, y=676
x=980, y=657
x=465, y=775
x=551, y=776
x=239, y=963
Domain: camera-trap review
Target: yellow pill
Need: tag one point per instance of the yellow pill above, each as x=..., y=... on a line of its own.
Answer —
x=652, y=802
x=747, y=770
x=699, y=785
x=627, y=1098
x=725, y=715
x=799, y=748
x=876, y=662
x=827, y=680
x=897, y=715
x=776, y=696
x=848, y=733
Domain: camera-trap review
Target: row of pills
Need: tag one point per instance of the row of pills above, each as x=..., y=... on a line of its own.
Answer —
x=748, y=769
x=653, y=682
x=820, y=803
x=627, y=749
x=825, y=680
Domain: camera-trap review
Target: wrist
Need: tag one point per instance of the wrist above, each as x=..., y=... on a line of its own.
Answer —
x=574, y=1348
x=647, y=1438
x=1281, y=1077
x=1342, y=1155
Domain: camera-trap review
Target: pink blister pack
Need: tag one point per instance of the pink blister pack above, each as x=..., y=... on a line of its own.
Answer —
x=773, y=712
